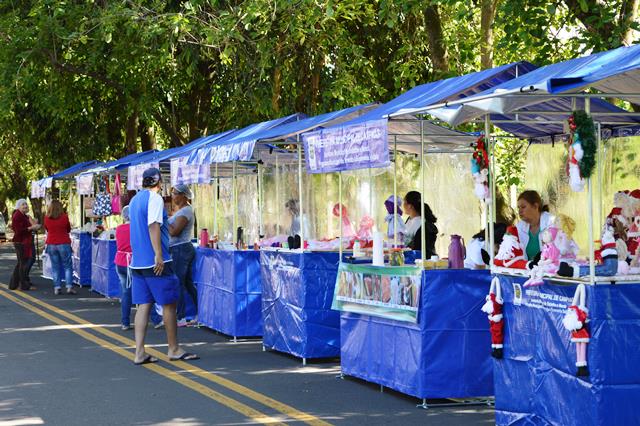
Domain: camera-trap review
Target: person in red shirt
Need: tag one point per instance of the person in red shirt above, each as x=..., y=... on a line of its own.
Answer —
x=58, y=242
x=122, y=260
x=23, y=244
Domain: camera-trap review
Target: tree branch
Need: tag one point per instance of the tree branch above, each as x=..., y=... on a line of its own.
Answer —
x=437, y=46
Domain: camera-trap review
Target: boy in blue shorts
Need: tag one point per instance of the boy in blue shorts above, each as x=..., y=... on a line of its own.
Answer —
x=153, y=280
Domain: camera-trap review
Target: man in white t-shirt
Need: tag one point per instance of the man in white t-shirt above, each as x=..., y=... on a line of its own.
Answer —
x=153, y=279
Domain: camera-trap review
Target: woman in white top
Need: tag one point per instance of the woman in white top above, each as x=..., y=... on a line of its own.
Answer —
x=534, y=220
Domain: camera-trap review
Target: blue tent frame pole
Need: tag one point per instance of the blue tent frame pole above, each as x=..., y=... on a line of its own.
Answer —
x=340, y=208
x=492, y=182
x=395, y=190
x=300, y=195
x=592, y=265
x=422, y=189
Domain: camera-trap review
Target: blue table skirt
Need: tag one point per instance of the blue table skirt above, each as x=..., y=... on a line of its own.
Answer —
x=536, y=383
x=296, y=303
x=229, y=291
x=104, y=278
x=81, y=245
x=445, y=355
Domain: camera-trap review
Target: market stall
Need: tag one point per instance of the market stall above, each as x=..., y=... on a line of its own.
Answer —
x=570, y=326
x=104, y=277
x=81, y=246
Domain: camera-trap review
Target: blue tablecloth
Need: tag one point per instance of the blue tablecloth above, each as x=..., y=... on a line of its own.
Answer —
x=536, y=383
x=297, y=291
x=229, y=291
x=81, y=245
x=104, y=278
x=445, y=355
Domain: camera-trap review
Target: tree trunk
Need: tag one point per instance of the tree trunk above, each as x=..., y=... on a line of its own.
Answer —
x=437, y=47
x=147, y=136
x=131, y=133
x=487, y=17
x=628, y=15
x=277, y=80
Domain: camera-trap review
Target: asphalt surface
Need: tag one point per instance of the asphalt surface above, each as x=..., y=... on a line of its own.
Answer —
x=65, y=361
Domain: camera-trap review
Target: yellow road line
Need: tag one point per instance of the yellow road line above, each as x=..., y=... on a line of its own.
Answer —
x=256, y=396
x=239, y=407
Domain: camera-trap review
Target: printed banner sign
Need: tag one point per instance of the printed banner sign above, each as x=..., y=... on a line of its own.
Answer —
x=134, y=175
x=388, y=292
x=183, y=173
x=223, y=153
x=84, y=184
x=360, y=146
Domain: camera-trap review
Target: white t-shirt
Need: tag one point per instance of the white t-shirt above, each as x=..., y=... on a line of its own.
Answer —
x=156, y=208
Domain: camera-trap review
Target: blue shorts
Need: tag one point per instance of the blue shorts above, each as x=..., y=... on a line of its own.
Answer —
x=146, y=287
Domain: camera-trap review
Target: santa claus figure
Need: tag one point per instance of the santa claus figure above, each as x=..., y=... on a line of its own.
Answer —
x=575, y=320
x=510, y=254
x=576, y=182
x=493, y=309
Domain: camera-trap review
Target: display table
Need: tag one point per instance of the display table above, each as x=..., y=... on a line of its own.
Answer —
x=104, y=277
x=535, y=383
x=297, y=291
x=445, y=355
x=229, y=291
x=81, y=257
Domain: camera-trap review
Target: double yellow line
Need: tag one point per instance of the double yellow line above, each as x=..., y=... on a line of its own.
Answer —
x=289, y=412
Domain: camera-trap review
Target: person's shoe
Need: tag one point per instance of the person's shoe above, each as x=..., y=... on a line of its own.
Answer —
x=159, y=325
x=182, y=323
x=126, y=327
x=56, y=291
x=70, y=290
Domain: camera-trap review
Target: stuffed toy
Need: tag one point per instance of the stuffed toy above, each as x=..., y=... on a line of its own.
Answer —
x=510, y=253
x=366, y=226
x=575, y=320
x=347, y=228
x=549, y=258
x=564, y=238
x=607, y=257
x=493, y=308
x=480, y=170
x=581, y=149
x=394, y=218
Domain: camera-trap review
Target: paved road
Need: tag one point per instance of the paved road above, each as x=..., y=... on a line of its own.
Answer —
x=64, y=361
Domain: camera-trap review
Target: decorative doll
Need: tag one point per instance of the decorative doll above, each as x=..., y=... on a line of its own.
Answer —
x=549, y=258
x=575, y=320
x=347, y=228
x=510, y=253
x=564, y=238
x=394, y=218
x=480, y=170
x=366, y=227
x=607, y=255
x=493, y=309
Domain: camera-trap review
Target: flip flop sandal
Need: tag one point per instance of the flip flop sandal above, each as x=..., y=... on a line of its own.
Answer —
x=147, y=360
x=187, y=356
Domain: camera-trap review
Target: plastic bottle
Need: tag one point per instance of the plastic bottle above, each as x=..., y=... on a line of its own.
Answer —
x=204, y=237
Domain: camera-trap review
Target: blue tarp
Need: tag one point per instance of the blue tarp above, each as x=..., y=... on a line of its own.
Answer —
x=535, y=383
x=445, y=355
x=75, y=169
x=81, y=258
x=240, y=138
x=616, y=71
x=297, y=291
x=229, y=291
x=119, y=163
x=104, y=277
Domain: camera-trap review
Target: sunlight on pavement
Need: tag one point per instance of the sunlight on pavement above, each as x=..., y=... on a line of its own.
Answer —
x=24, y=421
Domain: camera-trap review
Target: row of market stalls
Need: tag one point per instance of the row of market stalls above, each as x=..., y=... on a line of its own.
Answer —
x=414, y=328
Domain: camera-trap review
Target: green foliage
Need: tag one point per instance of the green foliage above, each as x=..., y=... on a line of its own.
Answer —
x=586, y=131
x=510, y=155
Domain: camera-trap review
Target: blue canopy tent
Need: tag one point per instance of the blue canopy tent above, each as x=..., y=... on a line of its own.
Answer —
x=38, y=187
x=535, y=342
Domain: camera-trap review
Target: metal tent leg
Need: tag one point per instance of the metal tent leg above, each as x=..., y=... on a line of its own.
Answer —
x=424, y=405
x=304, y=361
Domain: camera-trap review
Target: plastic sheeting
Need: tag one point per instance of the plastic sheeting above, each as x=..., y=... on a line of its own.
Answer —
x=229, y=291
x=536, y=383
x=104, y=278
x=445, y=355
x=297, y=291
x=81, y=257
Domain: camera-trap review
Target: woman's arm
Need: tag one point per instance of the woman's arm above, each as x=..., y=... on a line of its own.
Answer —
x=177, y=226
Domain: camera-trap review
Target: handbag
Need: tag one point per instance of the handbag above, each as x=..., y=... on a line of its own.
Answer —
x=102, y=204
x=116, y=198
